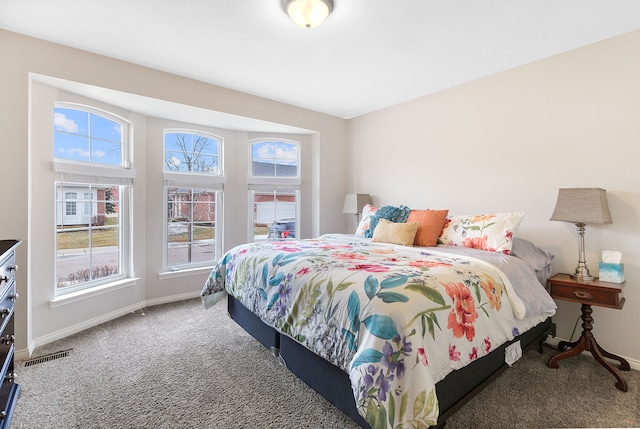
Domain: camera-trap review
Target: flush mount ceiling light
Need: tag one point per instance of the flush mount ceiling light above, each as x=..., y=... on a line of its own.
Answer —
x=307, y=13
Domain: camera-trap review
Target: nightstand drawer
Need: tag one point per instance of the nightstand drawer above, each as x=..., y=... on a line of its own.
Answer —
x=604, y=294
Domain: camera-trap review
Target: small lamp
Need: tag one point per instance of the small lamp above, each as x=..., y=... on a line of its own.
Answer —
x=308, y=13
x=582, y=206
x=353, y=204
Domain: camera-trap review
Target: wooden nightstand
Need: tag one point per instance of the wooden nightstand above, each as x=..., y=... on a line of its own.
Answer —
x=589, y=293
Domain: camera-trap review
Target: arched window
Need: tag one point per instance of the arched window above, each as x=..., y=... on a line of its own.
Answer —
x=92, y=176
x=193, y=194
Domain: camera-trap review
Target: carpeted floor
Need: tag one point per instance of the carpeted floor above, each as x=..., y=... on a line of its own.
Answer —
x=180, y=366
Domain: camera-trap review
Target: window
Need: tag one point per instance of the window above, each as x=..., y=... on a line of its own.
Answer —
x=274, y=186
x=193, y=191
x=70, y=203
x=274, y=159
x=91, y=187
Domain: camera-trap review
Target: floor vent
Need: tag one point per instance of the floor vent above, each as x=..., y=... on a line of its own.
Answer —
x=47, y=358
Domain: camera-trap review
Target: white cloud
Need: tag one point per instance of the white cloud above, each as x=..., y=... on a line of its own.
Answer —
x=99, y=153
x=76, y=150
x=62, y=123
x=282, y=153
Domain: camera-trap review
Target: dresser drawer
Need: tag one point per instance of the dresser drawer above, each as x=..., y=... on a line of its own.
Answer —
x=7, y=300
x=7, y=270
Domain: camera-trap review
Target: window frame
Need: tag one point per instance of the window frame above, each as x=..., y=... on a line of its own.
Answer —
x=210, y=182
x=93, y=173
x=262, y=184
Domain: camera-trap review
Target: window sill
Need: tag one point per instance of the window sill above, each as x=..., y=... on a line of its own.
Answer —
x=185, y=272
x=72, y=297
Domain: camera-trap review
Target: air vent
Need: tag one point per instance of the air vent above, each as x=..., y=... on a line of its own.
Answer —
x=47, y=358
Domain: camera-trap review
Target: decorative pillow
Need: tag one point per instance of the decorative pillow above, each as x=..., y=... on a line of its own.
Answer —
x=492, y=232
x=395, y=233
x=430, y=224
x=367, y=211
x=394, y=214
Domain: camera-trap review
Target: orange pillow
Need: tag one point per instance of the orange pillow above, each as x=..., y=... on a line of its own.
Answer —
x=430, y=224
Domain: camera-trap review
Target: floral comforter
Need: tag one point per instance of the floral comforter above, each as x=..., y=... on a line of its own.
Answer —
x=396, y=319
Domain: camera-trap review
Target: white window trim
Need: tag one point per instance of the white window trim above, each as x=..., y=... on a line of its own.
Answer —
x=90, y=292
x=77, y=171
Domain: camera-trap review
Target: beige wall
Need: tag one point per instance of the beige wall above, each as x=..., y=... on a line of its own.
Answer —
x=507, y=143
x=24, y=151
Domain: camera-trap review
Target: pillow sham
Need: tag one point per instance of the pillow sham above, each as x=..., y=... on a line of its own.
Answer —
x=367, y=211
x=539, y=259
x=430, y=224
x=395, y=233
x=491, y=232
x=394, y=214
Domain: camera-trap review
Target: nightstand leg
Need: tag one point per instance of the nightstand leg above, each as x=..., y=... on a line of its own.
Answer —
x=588, y=342
x=576, y=348
x=597, y=353
x=624, y=365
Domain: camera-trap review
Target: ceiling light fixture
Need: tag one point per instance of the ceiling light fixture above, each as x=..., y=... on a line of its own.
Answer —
x=307, y=13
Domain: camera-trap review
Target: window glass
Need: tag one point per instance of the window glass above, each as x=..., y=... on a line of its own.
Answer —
x=88, y=241
x=191, y=221
x=85, y=136
x=194, y=153
x=274, y=214
x=274, y=159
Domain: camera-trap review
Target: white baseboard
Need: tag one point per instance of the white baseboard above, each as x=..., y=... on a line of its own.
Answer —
x=24, y=354
x=553, y=342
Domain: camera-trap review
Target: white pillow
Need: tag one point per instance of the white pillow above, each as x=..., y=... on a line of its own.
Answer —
x=367, y=211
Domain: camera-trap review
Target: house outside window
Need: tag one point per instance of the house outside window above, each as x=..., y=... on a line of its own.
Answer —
x=274, y=189
x=193, y=193
x=91, y=216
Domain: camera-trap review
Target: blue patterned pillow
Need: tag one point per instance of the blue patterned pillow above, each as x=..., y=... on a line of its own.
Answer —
x=390, y=213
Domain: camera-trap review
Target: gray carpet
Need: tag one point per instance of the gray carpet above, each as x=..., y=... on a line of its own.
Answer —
x=180, y=366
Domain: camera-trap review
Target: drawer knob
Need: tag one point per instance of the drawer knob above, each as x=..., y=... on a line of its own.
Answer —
x=8, y=339
x=14, y=296
x=4, y=279
x=583, y=294
x=12, y=268
x=4, y=312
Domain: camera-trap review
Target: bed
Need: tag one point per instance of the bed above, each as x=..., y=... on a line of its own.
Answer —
x=391, y=334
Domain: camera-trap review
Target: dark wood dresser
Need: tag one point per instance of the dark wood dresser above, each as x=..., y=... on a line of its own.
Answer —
x=8, y=389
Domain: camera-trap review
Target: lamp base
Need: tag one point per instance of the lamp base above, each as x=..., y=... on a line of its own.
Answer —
x=582, y=273
x=582, y=278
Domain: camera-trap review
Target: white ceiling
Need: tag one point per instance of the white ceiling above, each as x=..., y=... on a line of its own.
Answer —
x=369, y=54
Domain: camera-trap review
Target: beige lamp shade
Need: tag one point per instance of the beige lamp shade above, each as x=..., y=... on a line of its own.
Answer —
x=582, y=205
x=353, y=203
